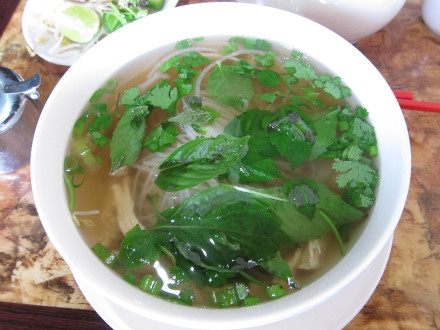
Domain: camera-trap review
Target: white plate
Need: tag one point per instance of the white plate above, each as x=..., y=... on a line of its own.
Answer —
x=334, y=313
x=42, y=41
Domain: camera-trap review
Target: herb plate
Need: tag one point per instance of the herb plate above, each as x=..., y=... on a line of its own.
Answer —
x=38, y=31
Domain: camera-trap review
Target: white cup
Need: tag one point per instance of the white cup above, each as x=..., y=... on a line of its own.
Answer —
x=431, y=15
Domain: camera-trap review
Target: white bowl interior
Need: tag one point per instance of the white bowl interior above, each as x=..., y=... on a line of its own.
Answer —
x=130, y=44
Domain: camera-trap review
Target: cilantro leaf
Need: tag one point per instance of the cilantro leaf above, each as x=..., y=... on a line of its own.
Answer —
x=184, y=82
x=266, y=60
x=191, y=58
x=268, y=78
x=130, y=95
x=182, y=44
x=299, y=69
x=162, y=96
x=250, y=43
x=332, y=86
x=161, y=137
x=354, y=174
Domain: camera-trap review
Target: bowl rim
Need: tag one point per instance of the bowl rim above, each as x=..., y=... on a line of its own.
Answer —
x=46, y=156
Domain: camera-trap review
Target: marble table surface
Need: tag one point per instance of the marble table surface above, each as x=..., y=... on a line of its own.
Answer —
x=406, y=52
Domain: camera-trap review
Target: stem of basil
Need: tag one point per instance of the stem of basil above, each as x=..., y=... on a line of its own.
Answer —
x=252, y=279
x=335, y=231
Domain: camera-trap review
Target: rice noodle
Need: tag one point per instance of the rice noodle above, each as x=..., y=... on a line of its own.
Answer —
x=124, y=206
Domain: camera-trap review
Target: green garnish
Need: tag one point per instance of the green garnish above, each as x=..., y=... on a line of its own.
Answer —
x=104, y=254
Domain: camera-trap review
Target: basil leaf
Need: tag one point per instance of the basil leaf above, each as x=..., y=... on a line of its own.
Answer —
x=261, y=171
x=257, y=165
x=292, y=137
x=195, y=115
x=138, y=248
x=251, y=123
x=229, y=87
x=279, y=267
x=198, y=161
x=299, y=227
x=223, y=229
x=126, y=143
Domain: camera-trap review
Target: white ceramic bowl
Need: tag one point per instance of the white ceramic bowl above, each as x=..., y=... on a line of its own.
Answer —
x=351, y=19
x=71, y=95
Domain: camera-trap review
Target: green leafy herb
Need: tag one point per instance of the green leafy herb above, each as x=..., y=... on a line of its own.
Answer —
x=121, y=15
x=184, y=82
x=127, y=138
x=257, y=165
x=205, y=229
x=354, y=174
x=196, y=115
x=182, y=44
x=138, y=248
x=251, y=43
x=230, y=88
x=198, y=161
x=162, y=96
x=192, y=58
x=108, y=88
x=266, y=60
x=161, y=137
x=104, y=254
x=268, y=78
x=292, y=137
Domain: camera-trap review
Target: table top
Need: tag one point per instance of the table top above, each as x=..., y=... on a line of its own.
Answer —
x=406, y=52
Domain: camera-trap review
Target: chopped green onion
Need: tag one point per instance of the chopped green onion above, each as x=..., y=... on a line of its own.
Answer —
x=242, y=291
x=227, y=297
x=186, y=296
x=150, y=284
x=71, y=191
x=275, y=291
x=373, y=151
x=343, y=126
x=130, y=278
x=251, y=301
x=86, y=154
x=104, y=254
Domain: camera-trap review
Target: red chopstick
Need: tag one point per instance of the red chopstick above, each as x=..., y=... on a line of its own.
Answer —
x=404, y=95
x=407, y=102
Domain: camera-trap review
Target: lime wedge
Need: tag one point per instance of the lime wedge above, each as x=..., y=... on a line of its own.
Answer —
x=79, y=24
